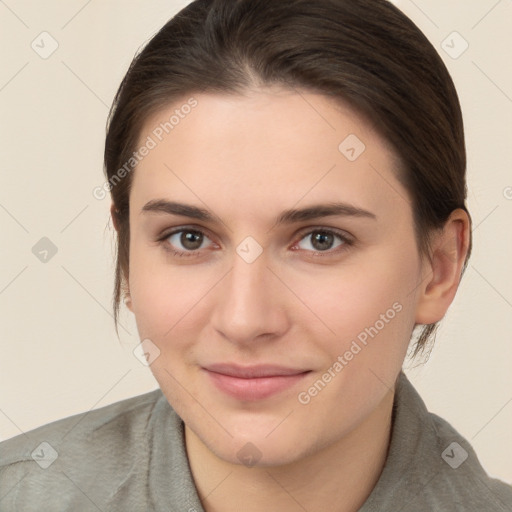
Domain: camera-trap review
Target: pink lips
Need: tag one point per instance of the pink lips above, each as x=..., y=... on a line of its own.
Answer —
x=253, y=382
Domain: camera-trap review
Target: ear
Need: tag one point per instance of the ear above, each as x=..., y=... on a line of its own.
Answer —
x=113, y=214
x=442, y=274
x=125, y=289
x=127, y=299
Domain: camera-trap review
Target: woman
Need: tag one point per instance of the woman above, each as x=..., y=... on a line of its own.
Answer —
x=288, y=190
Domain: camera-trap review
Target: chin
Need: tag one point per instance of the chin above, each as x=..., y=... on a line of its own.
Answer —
x=255, y=447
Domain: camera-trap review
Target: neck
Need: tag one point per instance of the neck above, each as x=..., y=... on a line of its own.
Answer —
x=339, y=477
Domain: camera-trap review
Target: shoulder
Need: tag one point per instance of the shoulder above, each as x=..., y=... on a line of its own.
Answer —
x=461, y=476
x=431, y=466
x=123, y=419
x=91, y=450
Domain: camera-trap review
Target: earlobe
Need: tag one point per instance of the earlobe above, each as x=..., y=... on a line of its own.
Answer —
x=125, y=288
x=128, y=301
x=443, y=272
x=127, y=298
x=113, y=214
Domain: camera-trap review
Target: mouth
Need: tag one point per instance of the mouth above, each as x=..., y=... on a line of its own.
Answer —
x=252, y=383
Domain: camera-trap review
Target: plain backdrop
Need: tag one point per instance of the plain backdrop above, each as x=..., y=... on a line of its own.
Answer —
x=59, y=352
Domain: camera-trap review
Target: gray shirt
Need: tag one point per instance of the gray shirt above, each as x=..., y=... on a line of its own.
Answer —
x=130, y=456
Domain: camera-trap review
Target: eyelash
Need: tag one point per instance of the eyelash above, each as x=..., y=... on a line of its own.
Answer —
x=346, y=242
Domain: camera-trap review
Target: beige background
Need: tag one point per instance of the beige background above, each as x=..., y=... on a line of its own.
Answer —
x=59, y=352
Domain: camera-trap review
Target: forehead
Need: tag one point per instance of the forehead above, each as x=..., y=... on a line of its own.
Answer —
x=265, y=151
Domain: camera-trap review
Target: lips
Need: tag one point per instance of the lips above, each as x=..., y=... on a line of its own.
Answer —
x=250, y=372
x=252, y=383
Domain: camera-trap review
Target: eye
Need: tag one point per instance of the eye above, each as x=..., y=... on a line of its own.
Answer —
x=324, y=240
x=188, y=242
x=185, y=242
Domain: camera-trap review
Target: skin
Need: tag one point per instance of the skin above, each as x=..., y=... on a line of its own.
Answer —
x=246, y=159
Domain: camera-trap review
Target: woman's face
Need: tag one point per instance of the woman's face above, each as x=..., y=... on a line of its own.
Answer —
x=252, y=270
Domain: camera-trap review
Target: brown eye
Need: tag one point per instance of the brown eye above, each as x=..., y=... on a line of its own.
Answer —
x=186, y=240
x=191, y=240
x=323, y=240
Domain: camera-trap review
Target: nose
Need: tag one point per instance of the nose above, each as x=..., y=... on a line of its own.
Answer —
x=250, y=303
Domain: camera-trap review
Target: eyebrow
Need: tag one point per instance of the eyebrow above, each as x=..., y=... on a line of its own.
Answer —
x=286, y=217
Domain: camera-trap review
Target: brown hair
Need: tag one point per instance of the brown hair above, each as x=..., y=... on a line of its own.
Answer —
x=366, y=53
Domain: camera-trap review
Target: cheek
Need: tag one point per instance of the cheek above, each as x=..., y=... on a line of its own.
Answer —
x=370, y=303
x=165, y=297
x=151, y=291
